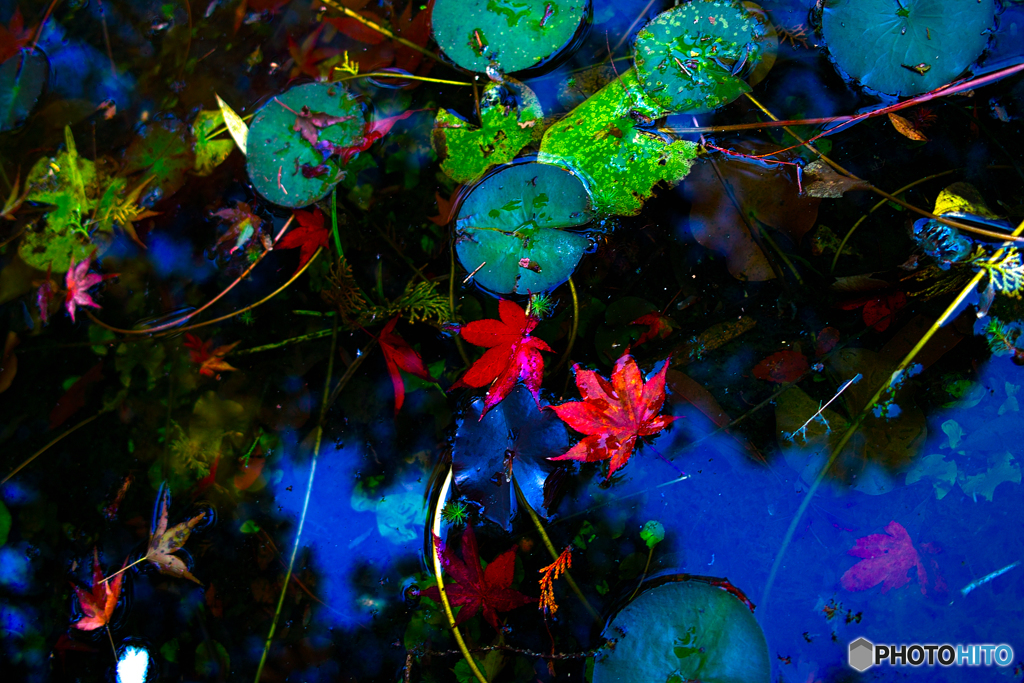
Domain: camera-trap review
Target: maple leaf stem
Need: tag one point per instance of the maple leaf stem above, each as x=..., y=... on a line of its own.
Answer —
x=856, y=422
x=436, y=529
x=126, y=567
x=551, y=549
x=575, y=326
x=111, y=639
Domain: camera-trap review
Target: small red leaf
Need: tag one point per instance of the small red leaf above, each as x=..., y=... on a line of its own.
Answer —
x=826, y=341
x=308, y=237
x=887, y=559
x=782, y=367
x=398, y=355
x=658, y=325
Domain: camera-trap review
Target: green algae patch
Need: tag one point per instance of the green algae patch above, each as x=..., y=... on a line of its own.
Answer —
x=612, y=142
x=510, y=34
x=694, y=58
x=514, y=228
x=509, y=112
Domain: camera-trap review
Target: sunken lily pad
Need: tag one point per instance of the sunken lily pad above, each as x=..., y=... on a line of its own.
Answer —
x=510, y=34
x=685, y=631
x=515, y=223
x=694, y=57
x=508, y=112
x=513, y=434
x=906, y=47
x=23, y=78
x=292, y=139
x=163, y=151
x=612, y=141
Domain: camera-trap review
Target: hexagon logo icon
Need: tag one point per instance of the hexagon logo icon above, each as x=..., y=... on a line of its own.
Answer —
x=862, y=654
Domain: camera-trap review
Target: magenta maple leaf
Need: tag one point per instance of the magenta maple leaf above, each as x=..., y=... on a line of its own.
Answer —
x=887, y=560
x=475, y=590
x=78, y=282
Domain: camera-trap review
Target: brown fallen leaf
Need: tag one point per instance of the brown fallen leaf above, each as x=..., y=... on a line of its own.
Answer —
x=164, y=542
x=826, y=183
x=905, y=128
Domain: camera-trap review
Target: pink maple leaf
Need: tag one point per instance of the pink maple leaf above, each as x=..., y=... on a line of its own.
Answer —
x=887, y=559
x=78, y=282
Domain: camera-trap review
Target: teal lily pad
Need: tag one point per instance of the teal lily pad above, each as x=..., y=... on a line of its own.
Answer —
x=511, y=34
x=685, y=631
x=516, y=223
x=22, y=80
x=611, y=141
x=694, y=57
x=466, y=152
x=284, y=165
x=906, y=47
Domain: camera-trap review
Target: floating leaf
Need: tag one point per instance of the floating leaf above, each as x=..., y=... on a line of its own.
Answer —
x=887, y=559
x=685, y=631
x=1001, y=467
x=22, y=80
x=782, y=367
x=209, y=152
x=99, y=602
x=938, y=470
x=520, y=216
x=909, y=48
x=236, y=126
x=513, y=35
x=622, y=159
x=825, y=183
x=693, y=58
x=163, y=151
x=466, y=151
x=906, y=128
x=281, y=161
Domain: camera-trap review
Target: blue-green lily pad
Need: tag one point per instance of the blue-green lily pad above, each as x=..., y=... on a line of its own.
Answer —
x=290, y=159
x=22, y=80
x=510, y=34
x=685, y=631
x=694, y=57
x=906, y=47
x=515, y=222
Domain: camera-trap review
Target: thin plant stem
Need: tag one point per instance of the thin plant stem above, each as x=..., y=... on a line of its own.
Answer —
x=650, y=554
x=111, y=639
x=320, y=334
x=53, y=442
x=552, y=550
x=629, y=30
x=380, y=29
x=575, y=326
x=42, y=24
x=855, y=424
x=126, y=568
x=436, y=530
x=408, y=77
x=334, y=222
x=451, y=306
x=351, y=370
x=305, y=503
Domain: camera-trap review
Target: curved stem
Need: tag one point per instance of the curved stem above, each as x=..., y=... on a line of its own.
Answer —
x=650, y=554
x=305, y=504
x=575, y=326
x=436, y=529
x=855, y=424
x=42, y=450
x=451, y=305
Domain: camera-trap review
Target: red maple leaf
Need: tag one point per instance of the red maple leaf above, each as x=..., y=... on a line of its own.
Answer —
x=658, y=325
x=399, y=355
x=445, y=208
x=384, y=53
x=307, y=55
x=614, y=414
x=512, y=354
x=210, y=360
x=887, y=559
x=782, y=366
x=14, y=37
x=79, y=281
x=99, y=602
x=308, y=237
x=879, y=311
x=374, y=131
x=474, y=590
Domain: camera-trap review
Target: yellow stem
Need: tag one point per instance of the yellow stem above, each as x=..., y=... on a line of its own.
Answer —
x=408, y=77
x=379, y=29
x=127, y=567
x=42, y=450
x=650, y=554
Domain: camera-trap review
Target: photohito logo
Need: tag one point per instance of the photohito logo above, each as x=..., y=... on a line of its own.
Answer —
x=864, y=654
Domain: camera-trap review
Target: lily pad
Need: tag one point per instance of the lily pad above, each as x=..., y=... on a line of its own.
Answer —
x=511, y=34
x=163, y=152
x=906, y=47
x=283, y=164
x=694, y=57
x=612, y=141
x=515, y=223
x=23, y=78
x=209, y=153
x=508, y=113
x=685, y=631
x=512, y=437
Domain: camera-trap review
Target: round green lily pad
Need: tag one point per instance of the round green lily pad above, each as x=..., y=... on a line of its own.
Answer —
x=290, y=143
x=515, y=223
x=906, y=47
x=685, y=631
x=694, y=58
x=512, y=34
x=22, y=80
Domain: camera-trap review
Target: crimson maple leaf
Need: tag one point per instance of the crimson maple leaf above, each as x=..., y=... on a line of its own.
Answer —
x=879, y=310
x=399, y=355
x=374, y=130
x=658, y=325
x=308, y=237
x=614, y=414
x=79, y=281
x=887, y=559
x=512, y=353
x=210, y=360
x=474, y=590
x=99, y=602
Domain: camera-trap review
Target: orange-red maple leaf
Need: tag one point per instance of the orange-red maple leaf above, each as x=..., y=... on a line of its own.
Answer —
x=210, y=360
x=308, y=237
x=475, y=590
x=511, y=353
x=399, y=355
x=614, y=414
x=99, y=602
x=658, y=325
